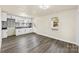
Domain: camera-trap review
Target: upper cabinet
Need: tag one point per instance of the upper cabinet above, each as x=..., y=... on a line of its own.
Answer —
x=4, y=16
x=9, y=16
x=23, y=22
x=20, y=21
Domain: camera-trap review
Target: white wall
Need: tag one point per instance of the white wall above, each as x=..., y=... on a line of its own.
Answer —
x=66, y=30
x=77, y=27
x=0, y=29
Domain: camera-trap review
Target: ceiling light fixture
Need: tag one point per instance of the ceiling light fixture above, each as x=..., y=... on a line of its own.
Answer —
x=44, y=6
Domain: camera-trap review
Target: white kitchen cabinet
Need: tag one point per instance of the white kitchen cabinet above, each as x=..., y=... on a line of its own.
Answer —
x=16, y=18
x=19, y=31
x=29, y=20
x=13, y=17
x=9, y=16
x=23, y=31
x=28, y=30
x=4, y=16
x=4, y=33
x=22, y=24
x=31, y=30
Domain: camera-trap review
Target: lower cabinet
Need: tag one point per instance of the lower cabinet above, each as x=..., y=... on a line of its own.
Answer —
x=18, y=32
x=4, y=34
x=23, y=31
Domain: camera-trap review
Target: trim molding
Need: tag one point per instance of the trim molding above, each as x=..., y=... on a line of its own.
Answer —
x=56, y=38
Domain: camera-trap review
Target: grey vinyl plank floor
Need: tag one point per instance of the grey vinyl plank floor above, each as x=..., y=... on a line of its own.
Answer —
x=34, y=43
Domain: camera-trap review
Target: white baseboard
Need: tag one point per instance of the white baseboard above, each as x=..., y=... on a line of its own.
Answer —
x=56, y=38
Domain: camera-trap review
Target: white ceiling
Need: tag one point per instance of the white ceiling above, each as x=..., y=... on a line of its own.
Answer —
x=34, y=10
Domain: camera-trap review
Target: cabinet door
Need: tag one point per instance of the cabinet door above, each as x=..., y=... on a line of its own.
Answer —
x=4, y=17
x=18, y=32
x=29, y=20
x=4, y=33
x=16, y=18
x=9, y=16
x=30, y=30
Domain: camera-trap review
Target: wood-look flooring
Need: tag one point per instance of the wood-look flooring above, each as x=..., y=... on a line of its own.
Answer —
x=33, y=43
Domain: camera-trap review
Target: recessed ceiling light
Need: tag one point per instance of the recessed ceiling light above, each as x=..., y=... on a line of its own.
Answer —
x=44, y=6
